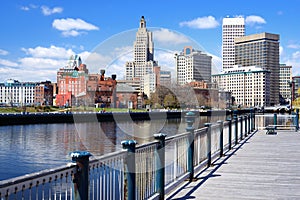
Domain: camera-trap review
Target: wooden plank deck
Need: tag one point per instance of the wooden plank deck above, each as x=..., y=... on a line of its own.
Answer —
x=260, y=167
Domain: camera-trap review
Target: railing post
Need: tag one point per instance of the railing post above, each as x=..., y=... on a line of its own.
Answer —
x=253, y=119
x=130, y=167
x=229, y=133
x=208, y=125
x=235, y=118
x=275, y=120
x=220, y=122
x=249, y=124
x=190, y=119
x=160, y=164
x=81, y=177
x=241, y=127
x=297, y=119
x=246, y=119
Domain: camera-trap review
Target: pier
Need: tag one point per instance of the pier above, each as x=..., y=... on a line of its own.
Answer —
x=260, y=167
x=233, y=159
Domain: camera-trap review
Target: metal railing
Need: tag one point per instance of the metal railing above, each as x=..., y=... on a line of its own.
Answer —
x=139, y=171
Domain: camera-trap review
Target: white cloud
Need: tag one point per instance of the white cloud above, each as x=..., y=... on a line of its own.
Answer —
x=207, y=22
x=281, y=51
x=170, y=37
x=25, y=8
x=41, y=63
x=293, y=60
x=72, y=27
x=3, y=52
x=51, y=52
x=8, y=63
x=216, y=64
x=294, y=46
x=48, y=11
x=296, y=55
x=253, y=19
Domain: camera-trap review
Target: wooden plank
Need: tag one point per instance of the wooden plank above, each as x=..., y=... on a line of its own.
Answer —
x=264, y=167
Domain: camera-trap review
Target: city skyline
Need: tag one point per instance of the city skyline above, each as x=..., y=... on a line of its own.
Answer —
x=39, y=37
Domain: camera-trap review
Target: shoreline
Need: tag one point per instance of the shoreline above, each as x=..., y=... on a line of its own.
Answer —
x=7, y=119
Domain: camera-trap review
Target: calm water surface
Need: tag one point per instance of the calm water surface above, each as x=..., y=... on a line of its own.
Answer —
x=30, y=148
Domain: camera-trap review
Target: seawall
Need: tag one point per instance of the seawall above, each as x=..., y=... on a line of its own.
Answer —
x=46, y=118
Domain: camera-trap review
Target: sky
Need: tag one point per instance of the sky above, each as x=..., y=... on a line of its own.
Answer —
x=38, y=36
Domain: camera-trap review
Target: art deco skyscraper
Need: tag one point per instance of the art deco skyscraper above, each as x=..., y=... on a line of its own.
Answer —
x=143, y=54
x=232, y=28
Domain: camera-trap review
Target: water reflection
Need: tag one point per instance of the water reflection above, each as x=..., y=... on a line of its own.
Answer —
x=30, y=148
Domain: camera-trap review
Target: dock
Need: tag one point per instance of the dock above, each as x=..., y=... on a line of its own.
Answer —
x=262, y=166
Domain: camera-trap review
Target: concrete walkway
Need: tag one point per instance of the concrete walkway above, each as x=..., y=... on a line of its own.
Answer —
x=260, y=167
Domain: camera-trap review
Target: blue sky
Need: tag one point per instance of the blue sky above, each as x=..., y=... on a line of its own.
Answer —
x=38, y=37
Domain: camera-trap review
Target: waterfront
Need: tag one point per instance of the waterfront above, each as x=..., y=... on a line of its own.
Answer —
x=30, y=148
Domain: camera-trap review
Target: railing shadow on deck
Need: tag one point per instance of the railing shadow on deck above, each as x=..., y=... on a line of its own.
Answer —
x=147, y=171
x=216, y=164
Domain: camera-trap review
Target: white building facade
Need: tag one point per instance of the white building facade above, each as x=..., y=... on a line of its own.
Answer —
x=192, y=65
x=15, y=93
x=285, y=81
x=250, y=86
x=231, y=28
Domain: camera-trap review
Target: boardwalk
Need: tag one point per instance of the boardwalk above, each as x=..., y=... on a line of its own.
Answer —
x=260, y=167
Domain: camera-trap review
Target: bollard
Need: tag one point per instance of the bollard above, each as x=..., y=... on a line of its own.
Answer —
x=208, y=125
x=160, y=162
x=130, y=167
x=220, y=122
x=190, y=119
x=275, y=120
x=235, y=118
x=229, y=133
x=81, y=176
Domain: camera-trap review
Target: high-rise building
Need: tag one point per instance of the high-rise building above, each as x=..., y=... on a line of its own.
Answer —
x=261, y=50
x=143, y=63
x=285, y=80
x=232, y=28
x=250, y=86
x=143, y=54
x=192, y=65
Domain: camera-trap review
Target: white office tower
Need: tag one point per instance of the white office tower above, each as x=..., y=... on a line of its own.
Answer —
x=232, y=28
x=192, y=65
x=143, y=54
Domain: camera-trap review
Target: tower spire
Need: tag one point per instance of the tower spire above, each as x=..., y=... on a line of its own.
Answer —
x=142, y=22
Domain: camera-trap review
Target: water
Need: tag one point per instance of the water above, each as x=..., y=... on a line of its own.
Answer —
x=30, y=148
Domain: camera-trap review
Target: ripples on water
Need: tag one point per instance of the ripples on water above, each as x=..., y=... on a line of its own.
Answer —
x=30, y=148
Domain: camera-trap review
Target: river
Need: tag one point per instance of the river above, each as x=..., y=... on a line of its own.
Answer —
x=30, y=148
